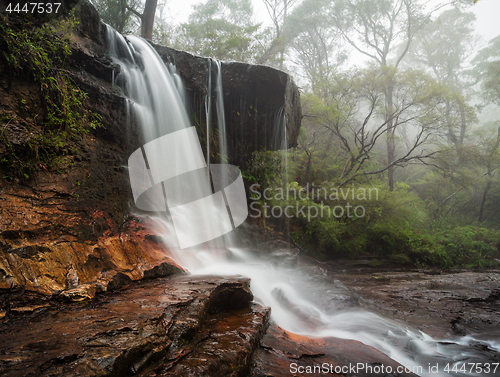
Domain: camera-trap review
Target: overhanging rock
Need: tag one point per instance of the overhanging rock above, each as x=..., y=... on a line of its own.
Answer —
x=256, y=98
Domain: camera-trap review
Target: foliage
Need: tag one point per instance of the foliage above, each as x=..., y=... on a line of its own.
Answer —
x=118, y=14
x=390, y=235
x=431, y=46
x=345, y=222
x=486, y=55
x=264, y=172
x=471, y=246
x=40, y=54
x=125, y=16
x=396, y=226
x=221, y=29
x=377, y=28
x=351, y=108
x=491, y=83
x=265, y=169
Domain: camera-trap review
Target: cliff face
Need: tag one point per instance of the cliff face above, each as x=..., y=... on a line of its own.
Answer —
x=65, y=223
x=255, y=100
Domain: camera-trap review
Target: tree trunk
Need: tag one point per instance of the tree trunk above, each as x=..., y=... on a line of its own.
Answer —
x=282, y=52
x=490, y=176
x=120, y=26
x=148, y=19
x=391, y=143
x=483, y=200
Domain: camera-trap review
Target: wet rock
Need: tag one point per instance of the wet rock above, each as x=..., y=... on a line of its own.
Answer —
x=230, y=298
x=89, y=21
x=282, y=353
x=80, y=293
x=20, y=310
x=118, y=281
x=163, y=325
x=255, y=99
x=69, y=226
x=255, y=96
x=224, y=345
x=68, y=233
x=82, y=268
x=72, y=279
x=442, y=305
x=164, y=269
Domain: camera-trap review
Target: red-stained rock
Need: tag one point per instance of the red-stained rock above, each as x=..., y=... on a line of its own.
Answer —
x=80, y=269
x=149, y=326
x=282, y=353
x=67, y=223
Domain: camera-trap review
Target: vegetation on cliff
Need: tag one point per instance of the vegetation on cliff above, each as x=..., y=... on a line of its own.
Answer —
x=47, y=117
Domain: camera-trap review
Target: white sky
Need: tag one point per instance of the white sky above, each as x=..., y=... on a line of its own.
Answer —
x=488, y=22
x=180, y=9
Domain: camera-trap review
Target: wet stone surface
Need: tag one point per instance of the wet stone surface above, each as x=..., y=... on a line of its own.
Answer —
x=224, y=346
x=440, y=303
x=460, y=310
x=149, y=326
x=285, y=354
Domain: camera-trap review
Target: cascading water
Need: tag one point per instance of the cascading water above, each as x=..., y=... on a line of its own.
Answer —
x=155, y=101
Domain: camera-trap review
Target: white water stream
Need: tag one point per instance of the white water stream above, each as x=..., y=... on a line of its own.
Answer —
x=301, y=302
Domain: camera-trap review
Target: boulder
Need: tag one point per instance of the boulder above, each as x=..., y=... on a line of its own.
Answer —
x=191, y=326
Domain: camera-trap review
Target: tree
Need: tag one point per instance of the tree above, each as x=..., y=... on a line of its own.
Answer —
x=491, y=86
x=222, y=29
x=383, y=31
x=278, y=12
x=164, y=25
x=315, y=145
x=486, y=69
x=147, y=18
x=491, y=158
x=443, y=47
x=316, y=47
x=117, y=13
x=491, y=83
x=354, y=109
x=375, y=28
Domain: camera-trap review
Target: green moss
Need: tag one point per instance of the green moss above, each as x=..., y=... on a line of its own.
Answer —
x=39, y=54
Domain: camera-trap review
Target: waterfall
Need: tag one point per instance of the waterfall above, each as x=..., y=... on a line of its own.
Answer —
x=296, y=295
x=169, y=167
x=221, y=119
